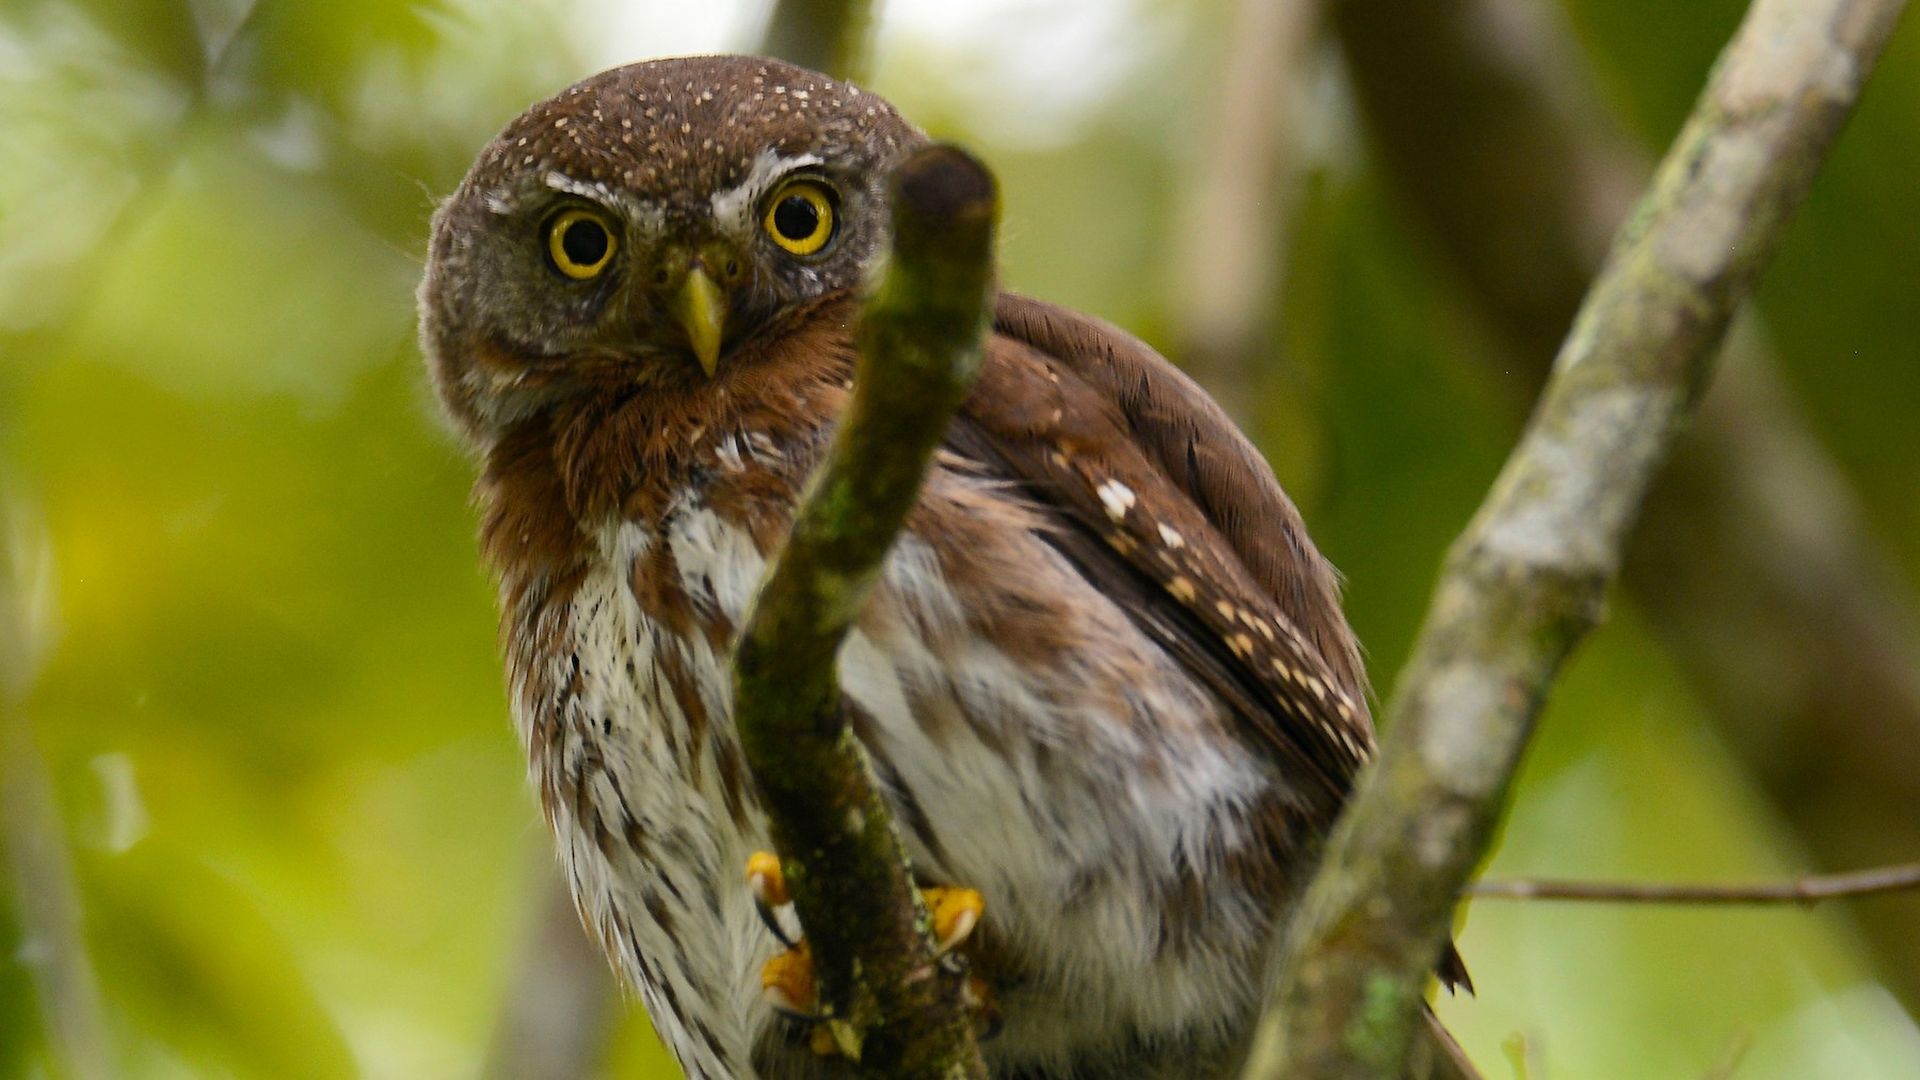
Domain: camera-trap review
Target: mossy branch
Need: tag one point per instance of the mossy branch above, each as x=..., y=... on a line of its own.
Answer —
x=919, y=340
x=1754, y=533
x=1527, y=579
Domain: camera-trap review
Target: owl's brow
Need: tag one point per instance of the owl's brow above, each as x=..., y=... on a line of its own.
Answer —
x=645, y=214
x=734, y=206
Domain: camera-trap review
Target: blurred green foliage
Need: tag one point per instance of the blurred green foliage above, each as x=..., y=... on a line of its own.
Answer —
x=271, y=705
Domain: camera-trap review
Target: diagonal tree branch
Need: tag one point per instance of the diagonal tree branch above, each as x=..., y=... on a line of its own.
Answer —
x=1527, y=579
x=1519, y=183
x=920, y=347
x=1753, y=558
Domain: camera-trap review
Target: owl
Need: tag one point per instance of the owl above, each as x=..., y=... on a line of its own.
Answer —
x=1104, y=678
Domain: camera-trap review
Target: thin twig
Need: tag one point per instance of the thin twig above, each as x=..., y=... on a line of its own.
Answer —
x=1806, y=890
x=920, y=350
x=1738, y=1046
x=1527, y=579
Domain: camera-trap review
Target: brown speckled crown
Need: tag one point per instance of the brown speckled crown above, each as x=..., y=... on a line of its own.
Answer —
x=694, y=124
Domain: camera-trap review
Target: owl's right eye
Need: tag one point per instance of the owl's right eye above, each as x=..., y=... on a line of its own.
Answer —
x=799, y=218
x=580, y=243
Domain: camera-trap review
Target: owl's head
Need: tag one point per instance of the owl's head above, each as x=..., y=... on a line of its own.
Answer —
x=646, y=225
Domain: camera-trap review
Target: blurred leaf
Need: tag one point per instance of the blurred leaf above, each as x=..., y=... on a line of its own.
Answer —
x=210, y=978
x=161, y=33
x=20, y=1028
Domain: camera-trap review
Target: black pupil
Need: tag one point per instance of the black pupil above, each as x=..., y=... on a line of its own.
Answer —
x=796, y=217
x=585, y=243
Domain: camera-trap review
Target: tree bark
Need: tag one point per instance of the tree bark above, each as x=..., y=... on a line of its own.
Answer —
x=1753, y=561
x=1526, y=580
x=920, y=350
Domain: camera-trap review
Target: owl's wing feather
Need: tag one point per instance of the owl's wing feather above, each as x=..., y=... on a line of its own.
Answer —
x=1161, y=502
x=1163, y=505
x=1192, y=440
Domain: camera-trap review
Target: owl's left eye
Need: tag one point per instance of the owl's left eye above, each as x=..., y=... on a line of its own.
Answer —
x=580, y=243
x=800, y=217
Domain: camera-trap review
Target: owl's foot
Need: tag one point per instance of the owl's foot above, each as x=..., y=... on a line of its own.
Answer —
x=787, y=980
x=956, y=911
x=768, y=884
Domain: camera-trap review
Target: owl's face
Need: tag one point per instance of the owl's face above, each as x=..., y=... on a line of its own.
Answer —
x=648, y=223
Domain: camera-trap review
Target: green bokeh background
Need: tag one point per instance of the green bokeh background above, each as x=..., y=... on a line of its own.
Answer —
x=269, y=701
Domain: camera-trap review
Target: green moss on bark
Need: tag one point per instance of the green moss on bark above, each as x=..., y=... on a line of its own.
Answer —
x=919, y=338
x=1525, y=582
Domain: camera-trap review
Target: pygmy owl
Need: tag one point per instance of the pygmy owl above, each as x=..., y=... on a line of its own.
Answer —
x=1104, y=678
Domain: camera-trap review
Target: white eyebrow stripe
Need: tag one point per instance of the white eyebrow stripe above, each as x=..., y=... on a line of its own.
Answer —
x=644, y=214
x=733, y=208
x=596, y=191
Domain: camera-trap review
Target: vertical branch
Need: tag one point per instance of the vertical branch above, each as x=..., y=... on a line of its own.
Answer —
x=1526, y=580
x=562, y=1000
x=54, y=945
x=920, y=346
x=1230, y=257
x=826, y=35
x=1754, y=555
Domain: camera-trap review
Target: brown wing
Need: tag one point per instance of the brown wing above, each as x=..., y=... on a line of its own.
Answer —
x=1190, y=438
x=1159, y=500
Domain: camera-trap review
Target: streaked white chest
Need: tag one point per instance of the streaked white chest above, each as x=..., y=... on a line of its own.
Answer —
x=654, y=842
x=1037, y=798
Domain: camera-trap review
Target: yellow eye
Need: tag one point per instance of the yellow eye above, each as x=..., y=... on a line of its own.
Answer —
x=580, y=243
x=800, y=217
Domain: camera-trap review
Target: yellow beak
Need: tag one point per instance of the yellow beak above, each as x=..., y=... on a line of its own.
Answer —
x=702, y=312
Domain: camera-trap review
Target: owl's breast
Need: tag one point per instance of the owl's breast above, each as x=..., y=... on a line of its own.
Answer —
x=1035, y=744
x=625, y=713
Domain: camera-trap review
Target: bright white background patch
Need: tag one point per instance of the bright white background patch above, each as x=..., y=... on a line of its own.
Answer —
x=1028, y=71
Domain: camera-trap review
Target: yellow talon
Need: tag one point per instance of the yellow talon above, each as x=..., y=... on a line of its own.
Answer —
x=787, y=981
x=765, y=878
x=956, y=912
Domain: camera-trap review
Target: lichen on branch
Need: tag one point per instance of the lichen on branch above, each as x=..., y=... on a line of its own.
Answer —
x=1526, y=580
x=919, y=338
